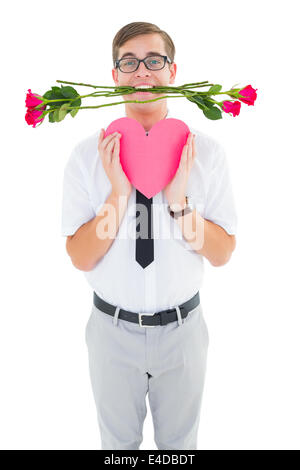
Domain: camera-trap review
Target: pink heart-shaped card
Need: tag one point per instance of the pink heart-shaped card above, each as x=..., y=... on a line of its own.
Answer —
x=150, y=162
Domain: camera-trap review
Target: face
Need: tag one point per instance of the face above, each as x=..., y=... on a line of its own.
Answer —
x=140, y=46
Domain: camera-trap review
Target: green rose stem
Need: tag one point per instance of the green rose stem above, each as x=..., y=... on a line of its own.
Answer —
x=99, y=93
x=184, y=94
x=122, y=92
x=184, y=91
x=98, y=86
x=108, y=104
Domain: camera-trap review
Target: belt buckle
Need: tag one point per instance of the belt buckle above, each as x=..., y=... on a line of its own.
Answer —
x=140, y=320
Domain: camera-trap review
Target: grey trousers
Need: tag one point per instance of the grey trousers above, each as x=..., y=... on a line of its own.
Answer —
x=127, y=361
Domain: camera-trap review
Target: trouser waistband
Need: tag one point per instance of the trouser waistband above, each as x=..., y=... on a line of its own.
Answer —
x=148, y=319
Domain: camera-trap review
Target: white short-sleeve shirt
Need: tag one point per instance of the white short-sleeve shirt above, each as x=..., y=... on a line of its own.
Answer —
x=176, y=273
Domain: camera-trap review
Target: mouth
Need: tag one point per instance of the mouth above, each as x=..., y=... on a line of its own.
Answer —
x=143, y=93
x=143, y=86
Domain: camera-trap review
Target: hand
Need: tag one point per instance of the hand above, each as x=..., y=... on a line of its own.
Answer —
x=109, y=150
x=176, y=188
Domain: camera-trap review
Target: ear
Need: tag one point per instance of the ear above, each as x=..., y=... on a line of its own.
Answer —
x=173, y=70
x=115, y=76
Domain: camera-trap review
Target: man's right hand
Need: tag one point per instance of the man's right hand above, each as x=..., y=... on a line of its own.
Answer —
x=109, y=151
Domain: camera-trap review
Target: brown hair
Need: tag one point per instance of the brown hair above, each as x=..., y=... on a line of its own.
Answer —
x=138, y=28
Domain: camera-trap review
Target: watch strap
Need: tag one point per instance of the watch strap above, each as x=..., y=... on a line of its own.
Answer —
x=181, y=212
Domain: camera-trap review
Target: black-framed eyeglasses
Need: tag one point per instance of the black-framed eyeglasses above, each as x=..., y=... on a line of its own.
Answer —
x=152, y=62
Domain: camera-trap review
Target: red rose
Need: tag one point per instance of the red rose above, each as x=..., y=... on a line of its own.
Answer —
x=32, y=116
x=232, y=107
x=249, y=95
x=33, y=99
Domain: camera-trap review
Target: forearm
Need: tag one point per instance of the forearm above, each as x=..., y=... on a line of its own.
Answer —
x=93, y=239
x=206, y=238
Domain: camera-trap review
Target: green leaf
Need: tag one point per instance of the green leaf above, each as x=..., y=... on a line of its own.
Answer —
x=198, y=101
x=56, y=104
x=208, y=103
x=214, y=89
x=75, y=103
x=56, y=94
x=47, y=95
x=56, y=115
x=56, y=90
x=73, y=112
x=232, y=88
x=51, y=117
x=68, y=92
x=213, y=113
x=63, y=111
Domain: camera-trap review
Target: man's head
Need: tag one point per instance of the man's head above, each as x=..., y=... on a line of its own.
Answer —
x=141, y=40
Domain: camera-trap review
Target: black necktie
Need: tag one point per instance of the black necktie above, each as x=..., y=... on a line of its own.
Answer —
x=144, y=247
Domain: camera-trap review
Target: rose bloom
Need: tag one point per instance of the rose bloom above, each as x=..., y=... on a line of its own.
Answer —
x=249, y=95
x=33, y=116
x=32, y=99
x=232, y=107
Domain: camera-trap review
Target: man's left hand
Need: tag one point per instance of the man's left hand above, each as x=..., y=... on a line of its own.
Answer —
x=176, y=188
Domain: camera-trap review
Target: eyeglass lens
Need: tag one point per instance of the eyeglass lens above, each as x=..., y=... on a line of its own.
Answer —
x=130, y=64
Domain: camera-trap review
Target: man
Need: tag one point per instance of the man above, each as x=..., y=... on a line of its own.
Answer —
x=146, y=332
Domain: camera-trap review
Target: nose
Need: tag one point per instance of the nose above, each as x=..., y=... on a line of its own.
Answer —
x=142, y=70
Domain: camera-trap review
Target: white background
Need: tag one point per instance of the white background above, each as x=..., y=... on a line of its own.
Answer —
x=251, y=305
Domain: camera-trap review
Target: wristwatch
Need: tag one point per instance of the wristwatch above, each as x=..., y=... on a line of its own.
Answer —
x=187, y=209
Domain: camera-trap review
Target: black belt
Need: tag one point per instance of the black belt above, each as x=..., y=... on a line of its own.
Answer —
x=148, y=319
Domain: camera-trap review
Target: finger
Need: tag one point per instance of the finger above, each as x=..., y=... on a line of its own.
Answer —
x=110, y=146
x=101, y=136
x=116, y=151
x=190, y=152
x=194, y=147
x=188, y=143
x=111, y=153
x=107, y=140
x=193, y=150
x=191, y=146
x=189, y=155
x=183, y=156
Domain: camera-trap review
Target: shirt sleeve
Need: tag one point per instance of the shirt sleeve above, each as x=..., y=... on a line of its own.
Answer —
x=76, y=205
x=220, y=204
